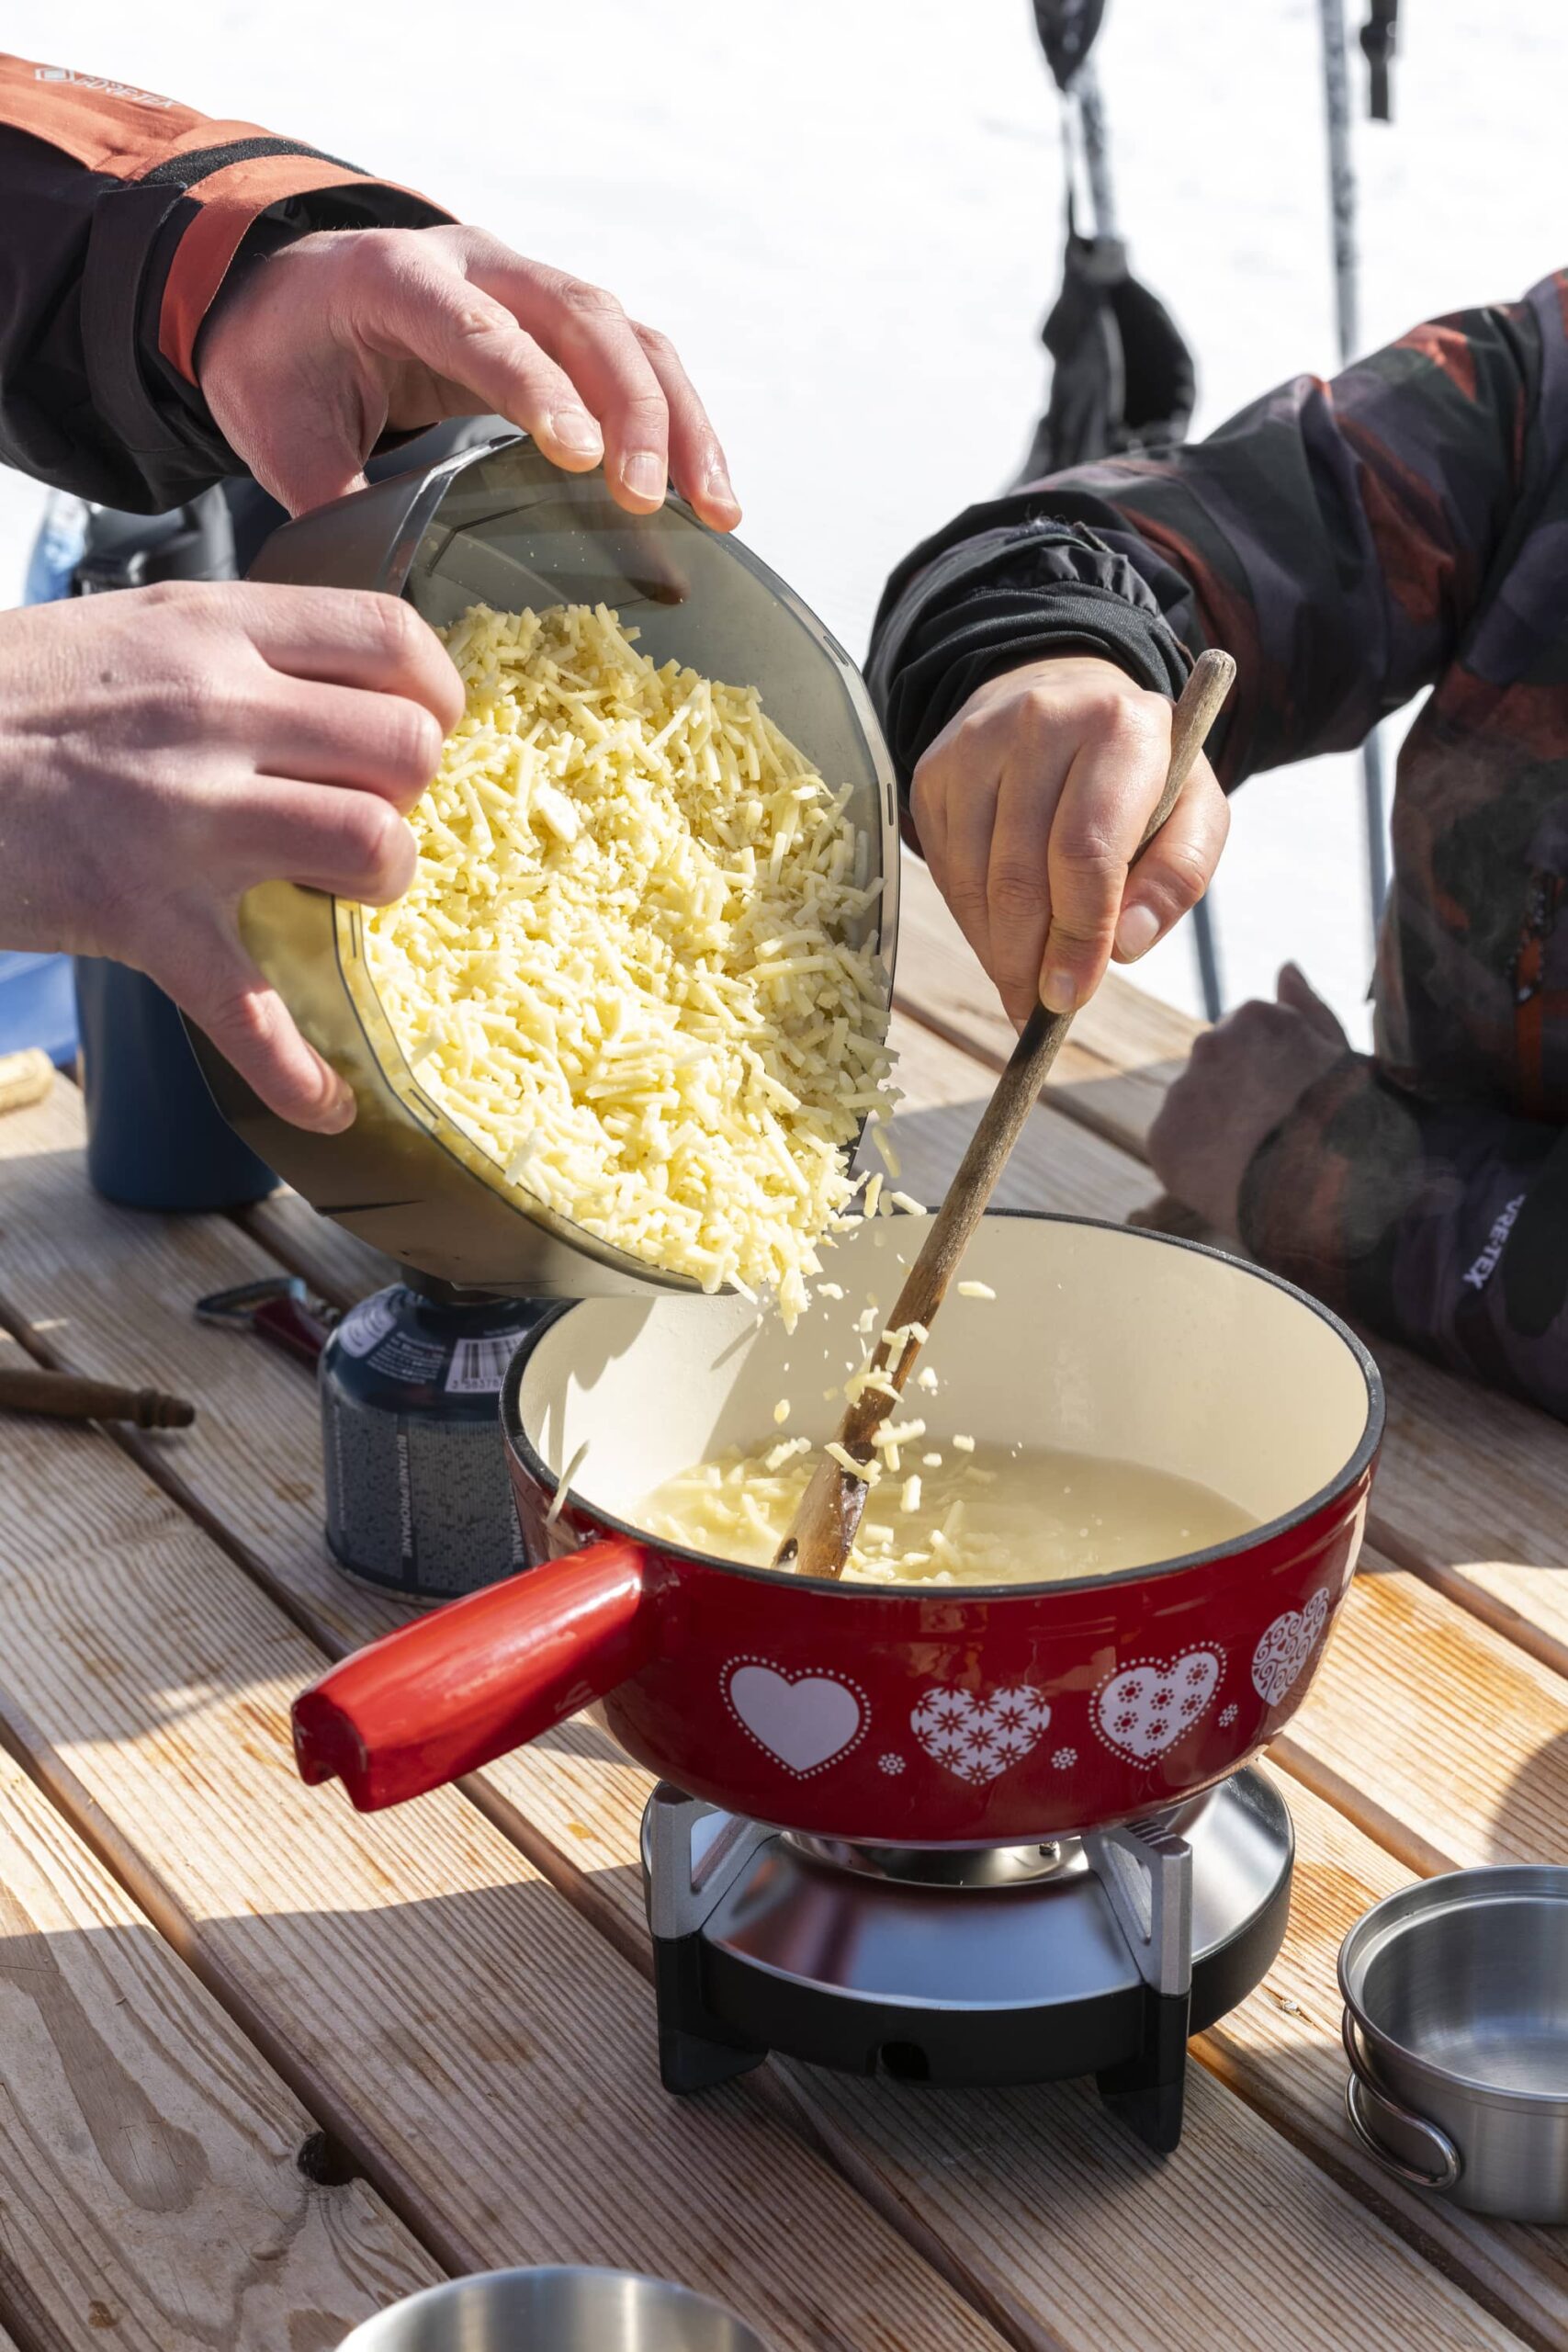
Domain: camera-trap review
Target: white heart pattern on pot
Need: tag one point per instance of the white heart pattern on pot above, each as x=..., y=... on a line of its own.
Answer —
x=978, y=1739
x=805, y=1722
x=1146, y=1708
x=1278, y=1660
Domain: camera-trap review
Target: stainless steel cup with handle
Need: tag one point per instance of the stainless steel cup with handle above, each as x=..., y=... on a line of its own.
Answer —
x=1456, y=2026
x=555, y=2309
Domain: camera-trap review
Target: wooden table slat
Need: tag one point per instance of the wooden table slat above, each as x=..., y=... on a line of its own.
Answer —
x=1436, y=1733
x=149, y=2182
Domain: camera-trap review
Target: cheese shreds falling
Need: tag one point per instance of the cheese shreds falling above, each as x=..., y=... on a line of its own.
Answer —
x=624, y=966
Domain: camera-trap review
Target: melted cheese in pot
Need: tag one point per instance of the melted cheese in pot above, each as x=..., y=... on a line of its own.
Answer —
x=940, y=1514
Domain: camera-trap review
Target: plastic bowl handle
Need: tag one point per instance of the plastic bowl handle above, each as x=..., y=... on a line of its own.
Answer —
x=454, y=1690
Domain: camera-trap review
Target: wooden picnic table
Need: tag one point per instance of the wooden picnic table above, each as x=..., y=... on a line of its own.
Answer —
x=267, y=2065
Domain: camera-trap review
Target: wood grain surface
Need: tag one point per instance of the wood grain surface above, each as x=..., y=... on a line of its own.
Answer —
x=151, y=2192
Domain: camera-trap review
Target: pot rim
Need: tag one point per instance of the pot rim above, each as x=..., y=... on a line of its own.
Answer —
x=447, y=2291
x=1404, y=1913
x=521, y=1445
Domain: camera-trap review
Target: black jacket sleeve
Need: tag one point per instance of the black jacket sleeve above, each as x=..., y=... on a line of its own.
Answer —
x=1003, y=584
x=1334, y=538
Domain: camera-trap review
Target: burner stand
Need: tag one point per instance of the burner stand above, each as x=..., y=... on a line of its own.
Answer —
x=966, y=1966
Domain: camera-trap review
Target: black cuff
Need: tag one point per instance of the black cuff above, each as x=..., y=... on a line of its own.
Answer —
x=1001, y=599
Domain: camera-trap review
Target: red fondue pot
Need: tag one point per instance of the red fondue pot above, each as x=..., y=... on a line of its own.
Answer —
x=957, y=1715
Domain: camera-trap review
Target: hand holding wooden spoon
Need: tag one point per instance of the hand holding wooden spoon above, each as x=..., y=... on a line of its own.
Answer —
x=829, y=1515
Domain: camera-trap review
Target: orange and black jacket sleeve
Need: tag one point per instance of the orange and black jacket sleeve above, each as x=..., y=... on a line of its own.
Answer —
x=123, y=213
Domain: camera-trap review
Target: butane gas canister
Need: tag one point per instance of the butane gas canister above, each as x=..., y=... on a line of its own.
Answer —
x=418, y=1498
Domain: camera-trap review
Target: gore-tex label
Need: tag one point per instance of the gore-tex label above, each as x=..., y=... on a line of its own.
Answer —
x=101, y=82
x=365, y=1324
x=1480, y=1272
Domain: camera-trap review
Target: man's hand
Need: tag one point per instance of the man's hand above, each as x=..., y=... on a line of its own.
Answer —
x=318, y=350
x=161, y=749
x=1029, y=806
x=1245, y=1075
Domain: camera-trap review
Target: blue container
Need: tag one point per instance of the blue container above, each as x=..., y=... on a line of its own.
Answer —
x=156, y=1138
x=419, y=1498
x=38, y=1005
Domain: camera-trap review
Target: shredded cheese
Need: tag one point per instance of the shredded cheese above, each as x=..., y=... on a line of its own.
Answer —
x=867, y=1473
x=976, y=1290
x=558, y=1500
x=882, y=1143
x=625, y=967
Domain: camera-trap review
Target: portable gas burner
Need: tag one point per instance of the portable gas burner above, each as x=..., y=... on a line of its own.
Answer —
x=970, y=1966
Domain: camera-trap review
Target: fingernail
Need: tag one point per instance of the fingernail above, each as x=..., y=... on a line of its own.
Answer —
x=336, y=1112
x=1137, y=932
x=718, y=487
x=1059, y=992
x=643, y=474
x=574, y=429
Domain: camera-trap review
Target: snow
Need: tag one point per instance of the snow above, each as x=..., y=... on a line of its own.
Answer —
x=848, y=217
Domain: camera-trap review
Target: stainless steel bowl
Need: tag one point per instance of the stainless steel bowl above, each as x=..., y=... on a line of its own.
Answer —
x=1456, y=2026
x=499, y=523
x=555, y=2310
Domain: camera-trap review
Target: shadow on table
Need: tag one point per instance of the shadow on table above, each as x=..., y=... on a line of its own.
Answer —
x=1530, y=1824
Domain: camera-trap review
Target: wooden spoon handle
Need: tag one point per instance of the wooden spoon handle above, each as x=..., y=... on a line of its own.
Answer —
x=29, y=1388
x=830, y=1509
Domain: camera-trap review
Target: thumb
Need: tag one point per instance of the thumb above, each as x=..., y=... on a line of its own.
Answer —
x=1294, y=989
x=219, y=987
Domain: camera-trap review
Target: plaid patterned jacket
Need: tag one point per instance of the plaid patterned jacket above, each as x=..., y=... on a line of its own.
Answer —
x=1356, y=543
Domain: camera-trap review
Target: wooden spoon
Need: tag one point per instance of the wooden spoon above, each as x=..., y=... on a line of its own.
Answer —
x=829, y=1514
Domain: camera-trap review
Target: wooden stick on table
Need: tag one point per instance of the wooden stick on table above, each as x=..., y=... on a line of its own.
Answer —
x=28, y=1388
x=829, y=1514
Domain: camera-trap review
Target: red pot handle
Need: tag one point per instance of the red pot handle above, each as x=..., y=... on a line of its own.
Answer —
x=455, y=1689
